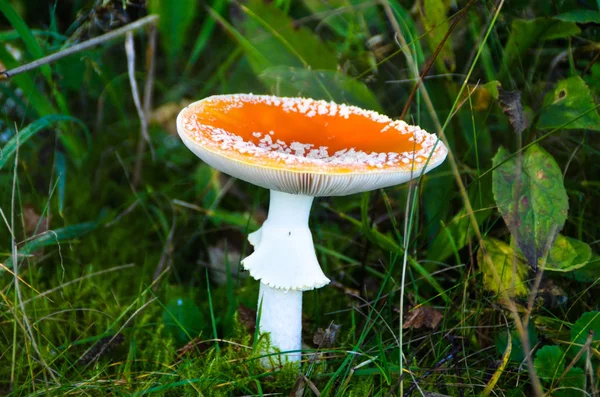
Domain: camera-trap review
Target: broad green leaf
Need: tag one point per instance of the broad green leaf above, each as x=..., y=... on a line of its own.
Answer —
x=319, y=84
x=549, y=362
x=347, y=18
x=182, y=319
x=588, y=323
x=26, y=133
x=276, y=37
x=175, y=21
x=531, y=198
x=517, y=353
x=455, y=235
x=572, y=385
x=590, y=272
x=207, y=184
x=567, y=254
x=506, y=270
x=335, y=13
x=434, y=16
x=525, y=34
x=219, y=217
x=53, y=237
x=205, y=34
x=580, y=16
x=570, y=99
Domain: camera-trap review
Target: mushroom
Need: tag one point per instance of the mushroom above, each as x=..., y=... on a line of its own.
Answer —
x=300, y=149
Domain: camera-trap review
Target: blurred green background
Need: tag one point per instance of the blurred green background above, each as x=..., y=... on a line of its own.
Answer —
x=128, y=278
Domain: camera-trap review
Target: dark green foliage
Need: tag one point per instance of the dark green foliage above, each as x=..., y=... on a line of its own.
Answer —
x=152, y=257
x=531, y=197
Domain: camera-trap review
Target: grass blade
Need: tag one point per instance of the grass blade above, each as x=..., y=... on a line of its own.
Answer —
x=25, y=134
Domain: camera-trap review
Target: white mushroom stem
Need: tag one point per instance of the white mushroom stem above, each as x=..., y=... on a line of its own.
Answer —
x=285, y=263
x=281, y=317
x=284, y=254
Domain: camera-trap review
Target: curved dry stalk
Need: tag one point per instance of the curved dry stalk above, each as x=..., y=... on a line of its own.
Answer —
x=150, y=19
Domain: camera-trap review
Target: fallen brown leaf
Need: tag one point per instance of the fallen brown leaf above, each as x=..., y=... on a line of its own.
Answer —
x=193, y=345
x=422, y=316
x=326, y=338
x=166, y=114
x=31, y=220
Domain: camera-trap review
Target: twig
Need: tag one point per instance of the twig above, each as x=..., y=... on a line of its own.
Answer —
x=584, y=349
x=147, y=107
x=150, y=19
x=456, y=20
x=130, y=51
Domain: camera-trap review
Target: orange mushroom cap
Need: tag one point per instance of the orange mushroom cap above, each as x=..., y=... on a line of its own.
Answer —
x=306, y=146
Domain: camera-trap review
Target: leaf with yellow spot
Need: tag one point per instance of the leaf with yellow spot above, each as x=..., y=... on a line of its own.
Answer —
x=532, y=199
x=505, y=271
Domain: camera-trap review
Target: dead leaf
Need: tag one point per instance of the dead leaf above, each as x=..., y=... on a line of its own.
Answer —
x=510, y=102
x=326, y=338
x=353, y=292
x=31, y=220
x=193, y=345
x=422, y=316
x=481, y=95
x=300, y=385
x=102, y=347
x=166, y=114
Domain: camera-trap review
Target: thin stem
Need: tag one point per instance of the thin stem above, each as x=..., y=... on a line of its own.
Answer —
x=79, y=47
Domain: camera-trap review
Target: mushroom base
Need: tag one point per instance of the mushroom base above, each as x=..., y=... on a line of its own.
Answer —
x=281, y=317
x=284, y=254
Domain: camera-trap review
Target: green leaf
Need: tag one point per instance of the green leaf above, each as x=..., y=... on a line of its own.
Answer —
x=567, y=254
x=531, y=198
x=60, y=166
x=588, y=322
x=26, y=35
x=35, y=50
x=329, y=13
x=183, y=320
x=206, y=32
x=26, y=133
x=501, y=275
x=572, y=385
x=580, y=16
x=435, y=21
x=524, y=34
x=206, y=183
x=517, y=353
x=276, y=37
x=549, y=362
x=321, y=84
x=570, y=99
x=590, y=272
x=455, y=235
x=176, y=18
x=53, y=237
x=35, y=97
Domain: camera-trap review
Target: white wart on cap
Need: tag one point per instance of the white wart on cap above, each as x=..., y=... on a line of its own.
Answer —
x=305, y=146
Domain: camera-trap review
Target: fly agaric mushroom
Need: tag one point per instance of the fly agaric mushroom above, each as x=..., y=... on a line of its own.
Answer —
x=300, y=149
